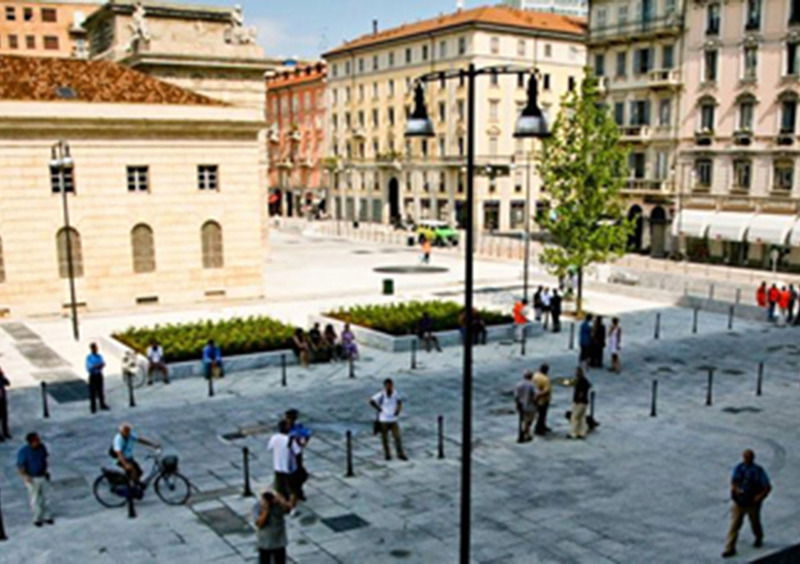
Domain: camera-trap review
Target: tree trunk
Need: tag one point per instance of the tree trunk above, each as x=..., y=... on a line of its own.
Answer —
x=579, y=298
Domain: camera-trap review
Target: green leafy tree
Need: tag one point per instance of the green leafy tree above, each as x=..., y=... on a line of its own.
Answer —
x=583, y=167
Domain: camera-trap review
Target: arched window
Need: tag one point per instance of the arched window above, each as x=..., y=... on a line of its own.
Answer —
x=212, y=245
x=77, y=253
x=2, y=264
x=143, y=248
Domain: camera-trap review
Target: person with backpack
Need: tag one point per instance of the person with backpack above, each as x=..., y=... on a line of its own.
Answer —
x=388, y=405
x=269, y=518
x=299, y=435
x=750, y=486
x=284, y=460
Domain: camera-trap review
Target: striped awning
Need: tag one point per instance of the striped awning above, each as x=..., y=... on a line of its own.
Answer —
x=691, y=223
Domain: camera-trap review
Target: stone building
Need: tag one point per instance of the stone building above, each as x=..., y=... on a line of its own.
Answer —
x=296, y=135
x=166, y=196
x=45, y=28
x=380, y=176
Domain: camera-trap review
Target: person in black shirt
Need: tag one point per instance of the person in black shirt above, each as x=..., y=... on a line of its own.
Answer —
x=580, y=401
x=555, y=311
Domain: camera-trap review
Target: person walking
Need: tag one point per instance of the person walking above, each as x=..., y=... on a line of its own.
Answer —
x=425, y=243
x=598, y=342
x=544, y=391
x=155, y=363
x=524, y=399
x=32, y=466
x=615, y=345
x=284, y=454
x=298, y=435
x=580, y=401
x=425, y=333
x=750, y=486
x=94, y=366
x=269, y=517
x=761, y=296
x=773, y=296
x=520, y=314
x=555, y=311
x=4, y=383
x=389, y=405
x=537, y=304
x=212, y=361
x=585, y=341
x=349, y=346
x=792, y=301
x=546, y=298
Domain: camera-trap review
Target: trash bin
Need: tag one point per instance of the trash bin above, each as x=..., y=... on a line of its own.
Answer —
x=388, y=286
x=411, y=241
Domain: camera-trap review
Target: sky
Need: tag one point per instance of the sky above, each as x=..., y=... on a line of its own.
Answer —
x=307, y=28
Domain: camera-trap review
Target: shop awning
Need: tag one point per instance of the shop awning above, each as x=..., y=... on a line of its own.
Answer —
x=771, y=229
x=691, y=223
x=729, y=226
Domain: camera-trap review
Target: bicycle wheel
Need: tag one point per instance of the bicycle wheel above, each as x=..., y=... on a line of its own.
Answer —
x=139, y=377
x=173, y=488
x=104, y=492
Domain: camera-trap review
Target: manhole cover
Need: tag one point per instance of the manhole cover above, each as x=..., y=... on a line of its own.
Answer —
x=400, y=553
x=224, y=521
x=418, y=269
x=69, y=391
x=344, y=523
x=745, y=409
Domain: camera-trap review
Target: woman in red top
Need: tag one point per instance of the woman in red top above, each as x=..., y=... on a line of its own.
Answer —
x=772, y=300
x=783, y=301
x=761, y=295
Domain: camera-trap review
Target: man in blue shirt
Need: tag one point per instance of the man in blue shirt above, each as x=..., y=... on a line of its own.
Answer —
x=124, y=441
x=749, y=487
x=32, y=466
x=585, y=341
x=212, y=359
x=94, y=366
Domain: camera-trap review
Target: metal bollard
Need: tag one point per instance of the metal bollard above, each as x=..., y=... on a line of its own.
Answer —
x=657, y=330
x=572, y=336
x=210, y=385
x=760, y=378
x=247, y=492
x=710, y=291
x=352, y=367
x=45, y=410
x=710, y=386
x=591, y=404
x=131, y=399
x=2, y=527
x=653, y=399
x=694, y=321
x=522, y=342
x=349, y=473
x=414, y=353
x=131, y=508
x=440, y=425
x=283, y=370
x=730, y=318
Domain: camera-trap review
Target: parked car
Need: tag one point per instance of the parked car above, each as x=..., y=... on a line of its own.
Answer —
x=438, y=232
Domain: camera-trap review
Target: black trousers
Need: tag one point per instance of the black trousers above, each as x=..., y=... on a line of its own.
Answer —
x=541, y=419
x=556, y=322
x=272, y=556
x=4, y=418
x=96, y=393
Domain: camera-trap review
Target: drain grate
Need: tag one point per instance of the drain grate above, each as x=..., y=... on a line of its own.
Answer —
x=223, y=521
x=745, y=409
x=344, y=523
x=69, y=391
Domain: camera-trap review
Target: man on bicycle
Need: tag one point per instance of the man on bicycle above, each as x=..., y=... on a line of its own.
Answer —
x=124, y=442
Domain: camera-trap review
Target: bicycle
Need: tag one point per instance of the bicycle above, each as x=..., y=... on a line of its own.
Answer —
x=112, y=487
x=137, y=377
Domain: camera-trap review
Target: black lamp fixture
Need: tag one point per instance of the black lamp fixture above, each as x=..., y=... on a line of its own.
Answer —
x=531, y=122
x=418, y=123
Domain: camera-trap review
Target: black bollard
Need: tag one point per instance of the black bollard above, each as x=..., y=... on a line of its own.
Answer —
x=730, y=318
x=131, y=508
x=591, y=404
x=131, y=399
x=414, y=353
x=210, y=384
x=45, y=410
x=2, y=527
x=657, y=330
x=352, y=367
x=349, y=473
x=760, y=378
x=522, y=342
x=283, y=370
x=694, y=321
x=572, y=336
x=653, y=399
x=440, y=425
x=247, y=492
x=710, y=386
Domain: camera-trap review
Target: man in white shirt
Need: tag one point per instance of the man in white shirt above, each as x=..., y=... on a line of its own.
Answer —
x=546, y=298
x=284, y=461
x=155, y=363
x=388, y=404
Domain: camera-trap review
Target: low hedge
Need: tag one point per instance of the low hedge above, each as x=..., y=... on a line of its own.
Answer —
x=185, y=341
x=402, y=318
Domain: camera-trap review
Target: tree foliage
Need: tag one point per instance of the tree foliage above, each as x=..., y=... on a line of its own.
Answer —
x=583, y=168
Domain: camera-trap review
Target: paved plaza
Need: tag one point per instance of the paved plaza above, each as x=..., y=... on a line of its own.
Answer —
x=640, y=489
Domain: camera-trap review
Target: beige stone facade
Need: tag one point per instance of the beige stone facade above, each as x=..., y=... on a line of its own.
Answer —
x=169, y=203
x=45, y=28
x=381, y=176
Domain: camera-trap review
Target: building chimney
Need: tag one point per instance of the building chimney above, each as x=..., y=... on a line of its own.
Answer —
x=374, y=27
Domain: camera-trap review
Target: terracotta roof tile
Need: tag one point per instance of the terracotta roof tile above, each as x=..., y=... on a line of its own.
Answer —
x=492, y=15
x=300, y=75
x=53, y=79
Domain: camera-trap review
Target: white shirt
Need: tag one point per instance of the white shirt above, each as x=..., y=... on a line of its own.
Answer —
x=282, y=459
x=388, y=405
x=155, y=354
x=546, y=298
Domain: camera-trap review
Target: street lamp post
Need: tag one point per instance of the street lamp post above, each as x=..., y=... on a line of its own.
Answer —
x=60, y=162
x=531, y=123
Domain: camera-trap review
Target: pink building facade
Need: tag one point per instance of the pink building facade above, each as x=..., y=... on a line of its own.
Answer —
x=296, y=117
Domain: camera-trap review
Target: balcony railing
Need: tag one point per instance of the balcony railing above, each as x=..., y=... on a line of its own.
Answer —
x=664, y=78
x=645, y=185
x=635, y=132
x=667, y=24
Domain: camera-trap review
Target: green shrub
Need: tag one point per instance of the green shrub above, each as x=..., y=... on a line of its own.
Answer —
x=185, y=341
x=402, y=318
